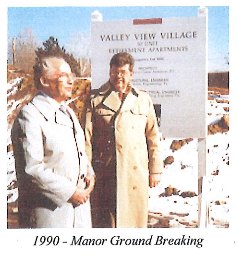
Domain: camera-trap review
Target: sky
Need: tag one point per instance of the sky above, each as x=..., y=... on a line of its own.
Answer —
x=62, y=22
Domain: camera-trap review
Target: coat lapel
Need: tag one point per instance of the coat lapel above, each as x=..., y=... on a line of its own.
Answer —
x=44, y=106
x=63, y=119
x=74, y=120
x=129, y=102
x=50, y=112
x=112, y=100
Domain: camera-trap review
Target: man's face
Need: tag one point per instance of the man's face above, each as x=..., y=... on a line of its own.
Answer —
x=60, y=82
x=120, y=77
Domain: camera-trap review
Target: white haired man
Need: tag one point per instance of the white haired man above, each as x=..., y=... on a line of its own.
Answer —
x=54, y=176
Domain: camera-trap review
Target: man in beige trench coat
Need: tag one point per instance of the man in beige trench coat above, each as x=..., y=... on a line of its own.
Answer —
x=124, y=144
x=54, y=176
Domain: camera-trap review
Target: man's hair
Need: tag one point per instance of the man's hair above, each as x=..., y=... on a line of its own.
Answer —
x=121, y=59
x=45, y=67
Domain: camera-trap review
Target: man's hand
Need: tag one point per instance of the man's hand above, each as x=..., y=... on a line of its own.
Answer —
x=90, y=183
x=80, y=196
x=154, y=179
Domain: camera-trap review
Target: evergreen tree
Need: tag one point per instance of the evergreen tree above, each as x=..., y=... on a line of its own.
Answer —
x=51, y=48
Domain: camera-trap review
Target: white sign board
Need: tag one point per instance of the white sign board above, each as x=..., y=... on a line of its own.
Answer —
x=170, y=64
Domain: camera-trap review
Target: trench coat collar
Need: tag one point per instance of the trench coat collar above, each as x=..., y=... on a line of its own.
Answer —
x=112, y=100
x=49, y=108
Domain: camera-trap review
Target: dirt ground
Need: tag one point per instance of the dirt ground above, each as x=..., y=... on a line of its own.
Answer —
x=12, y=215
x=156, y=220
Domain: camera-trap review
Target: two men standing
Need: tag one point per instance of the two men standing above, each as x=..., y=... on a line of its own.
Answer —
x=122, y=142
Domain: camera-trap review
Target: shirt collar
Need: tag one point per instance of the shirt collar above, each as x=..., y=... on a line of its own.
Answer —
x=109, y=87
x=56, y=105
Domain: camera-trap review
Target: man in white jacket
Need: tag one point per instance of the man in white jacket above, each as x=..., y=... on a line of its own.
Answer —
x=54, y=176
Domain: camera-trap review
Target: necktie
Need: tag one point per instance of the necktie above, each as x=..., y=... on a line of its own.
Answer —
x=64, y=110
x=121, y=95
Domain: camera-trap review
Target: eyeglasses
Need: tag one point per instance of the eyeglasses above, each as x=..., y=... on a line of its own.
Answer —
x=63, y=76
x=119, y=72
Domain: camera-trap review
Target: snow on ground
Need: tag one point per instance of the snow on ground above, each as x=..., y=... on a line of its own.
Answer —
x=174, y=211
x=185, y=179
x=13, y=85
x=183, y=212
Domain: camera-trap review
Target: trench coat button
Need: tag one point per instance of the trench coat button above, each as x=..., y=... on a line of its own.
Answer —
x=134, y=187
x=135, y=167
x=119, y=146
